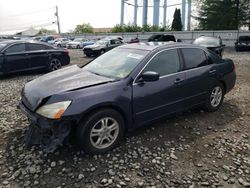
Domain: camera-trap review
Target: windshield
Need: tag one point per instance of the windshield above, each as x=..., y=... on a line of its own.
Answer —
x=207, y=41
x=102, y=42
x=2, y=45
x=117, y=63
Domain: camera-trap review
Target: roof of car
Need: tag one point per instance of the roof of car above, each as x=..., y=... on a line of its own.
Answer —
x=154, y=45
x=23, y=41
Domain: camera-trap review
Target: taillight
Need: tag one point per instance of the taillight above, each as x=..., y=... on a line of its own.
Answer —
x=66, y=51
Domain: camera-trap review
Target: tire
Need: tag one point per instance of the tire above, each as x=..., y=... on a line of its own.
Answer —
x=54, y=64
x=88, y=55
x=215, y=98
x=101, y=52
x=100, y=132
x=59, y=45
x=78, y=47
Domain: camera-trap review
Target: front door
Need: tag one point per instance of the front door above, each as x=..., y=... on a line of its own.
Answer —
x=16, y=58
x=152, y=100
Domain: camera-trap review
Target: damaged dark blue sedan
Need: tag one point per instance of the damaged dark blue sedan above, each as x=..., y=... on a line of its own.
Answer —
x=121, y=90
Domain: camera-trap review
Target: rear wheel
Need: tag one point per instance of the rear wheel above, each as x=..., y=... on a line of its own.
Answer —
x=102, y=52
x=215, y=98
x=78, y=46
x=54, y=64
x=101, y=131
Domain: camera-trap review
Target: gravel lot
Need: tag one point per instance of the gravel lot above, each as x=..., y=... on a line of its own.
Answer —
x=193, y=149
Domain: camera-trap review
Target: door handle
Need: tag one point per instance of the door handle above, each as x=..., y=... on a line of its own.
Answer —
x=178, y=81
x=212, y=71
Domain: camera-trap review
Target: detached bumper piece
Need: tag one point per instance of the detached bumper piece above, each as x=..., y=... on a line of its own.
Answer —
x=48, y=138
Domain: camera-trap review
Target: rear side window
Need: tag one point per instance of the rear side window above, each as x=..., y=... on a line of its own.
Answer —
x=35, y=47
x=194, y=57
x=16, y=48
x=165, y=63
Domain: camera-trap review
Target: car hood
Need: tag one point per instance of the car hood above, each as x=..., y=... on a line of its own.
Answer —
x=94, y=46
x=74, y=43
x=63, y=80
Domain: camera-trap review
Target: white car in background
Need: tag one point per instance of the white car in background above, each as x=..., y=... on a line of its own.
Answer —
x=77, y=43
x=61, y=42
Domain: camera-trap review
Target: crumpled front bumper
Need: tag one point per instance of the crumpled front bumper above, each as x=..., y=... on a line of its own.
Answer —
x=49, y=134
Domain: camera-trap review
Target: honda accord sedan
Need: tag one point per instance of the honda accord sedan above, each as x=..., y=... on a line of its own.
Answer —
x=17, y=56
x=125, y=88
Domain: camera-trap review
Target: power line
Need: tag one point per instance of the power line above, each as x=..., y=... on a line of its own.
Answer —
x=29, y=23
x=28, y=13
x=34, y=26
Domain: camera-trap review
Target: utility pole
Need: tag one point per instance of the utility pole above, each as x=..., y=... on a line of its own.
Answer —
x=165, y=14
x=122, y=13
x=145, y=13
x=58, y=23
x=189, y=15
x=156, y=13
x=135, y=12
x=183, y=15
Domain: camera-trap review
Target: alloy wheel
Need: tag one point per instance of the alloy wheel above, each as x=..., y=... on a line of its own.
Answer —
x=104, y=133
x=216, y=96
x=55, y=64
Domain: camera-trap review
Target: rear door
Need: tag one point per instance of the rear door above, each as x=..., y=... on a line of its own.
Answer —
x=16, y=58
x=39, y=56
x=152, y=100
x=200, y=73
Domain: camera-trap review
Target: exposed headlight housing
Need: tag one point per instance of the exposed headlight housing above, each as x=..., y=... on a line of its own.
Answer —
x=53, y=111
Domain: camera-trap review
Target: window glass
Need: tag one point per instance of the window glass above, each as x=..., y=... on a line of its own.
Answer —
x=35, y=47
x=16, y=48
x=165, y=63
x=194, y=57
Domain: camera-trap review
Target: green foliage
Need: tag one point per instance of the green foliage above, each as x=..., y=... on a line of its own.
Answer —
x=83, y=28
x=134, y=28
x=44, y=31
x=223, y=14
x=117, y=29
x=176, y=24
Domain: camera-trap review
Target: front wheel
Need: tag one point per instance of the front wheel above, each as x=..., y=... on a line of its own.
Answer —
x=54, y=64
x=101, y=131
x=215, y=98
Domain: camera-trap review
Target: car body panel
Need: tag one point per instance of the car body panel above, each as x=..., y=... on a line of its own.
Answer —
x=66, y=79
x=138, y=102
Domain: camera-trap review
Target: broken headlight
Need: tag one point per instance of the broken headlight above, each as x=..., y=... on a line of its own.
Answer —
x=53, y=111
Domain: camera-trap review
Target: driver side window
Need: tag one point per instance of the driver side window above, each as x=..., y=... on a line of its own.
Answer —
x=164, y=63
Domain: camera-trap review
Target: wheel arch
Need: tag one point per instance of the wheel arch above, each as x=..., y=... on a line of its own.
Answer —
x=224, y=85
x=94, y=109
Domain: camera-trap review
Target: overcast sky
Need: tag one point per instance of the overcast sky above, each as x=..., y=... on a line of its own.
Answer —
x=18, y=15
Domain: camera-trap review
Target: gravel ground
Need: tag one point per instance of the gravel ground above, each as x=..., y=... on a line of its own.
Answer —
x=193, y=149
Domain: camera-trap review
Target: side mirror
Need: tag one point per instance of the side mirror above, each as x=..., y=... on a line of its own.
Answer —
x=150, y=76
x=179, y=40
x=223, y=45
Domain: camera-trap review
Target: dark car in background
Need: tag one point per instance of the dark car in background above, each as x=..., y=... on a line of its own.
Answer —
x=17, y=56
x=123, y=89
x=162, y=38
x=242, y=43
x=47, y=38
x=131, y=40
x=102, y=46
x=212, y=43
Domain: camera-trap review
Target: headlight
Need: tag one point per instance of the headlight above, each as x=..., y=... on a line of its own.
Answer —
x=53, y=111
